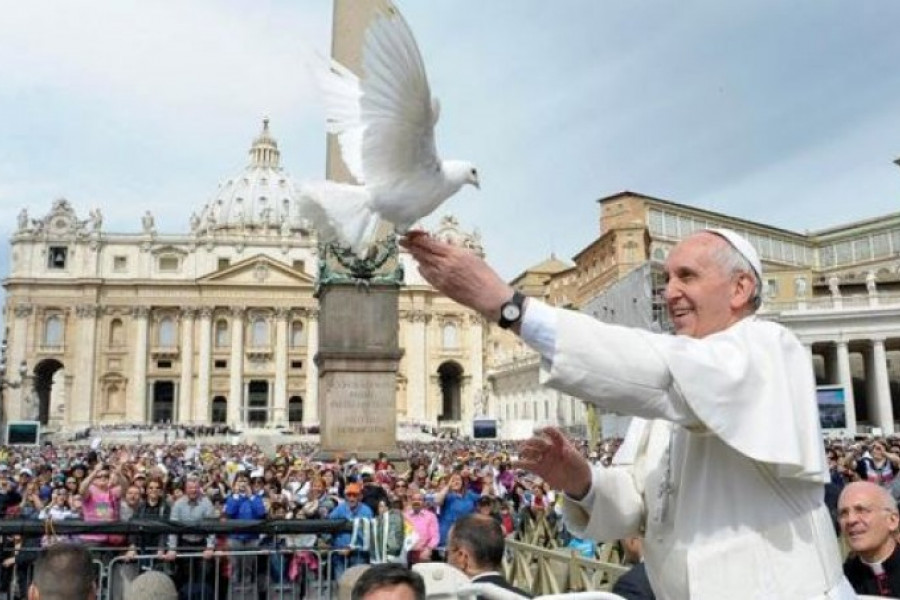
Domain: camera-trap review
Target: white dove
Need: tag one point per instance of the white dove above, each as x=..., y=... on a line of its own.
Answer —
x=385, y=126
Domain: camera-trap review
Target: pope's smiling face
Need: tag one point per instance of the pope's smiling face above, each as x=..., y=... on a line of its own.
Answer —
x=702, y=296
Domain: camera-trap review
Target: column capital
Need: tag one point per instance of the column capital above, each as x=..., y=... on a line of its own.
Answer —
x=416, y=316
x=140, y=312
x=282, y=313
x=206, y=312
x=188, y=312
x=238, y=312
x=877, y=340
x=88, y=311
x=23, y=310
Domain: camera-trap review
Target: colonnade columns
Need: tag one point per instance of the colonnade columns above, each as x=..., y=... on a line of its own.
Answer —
x=186, y=387
x=879, y=387
x=845, y=378
x=13, y=397
x=279, y=414
x=417, y=367
x=201, y=409
x=83, y=396
x=236, y=365
x=136, y=409
x=311, y=402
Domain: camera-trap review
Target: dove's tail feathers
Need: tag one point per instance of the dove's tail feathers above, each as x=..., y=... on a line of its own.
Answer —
x=343, y=211
x=341, y=94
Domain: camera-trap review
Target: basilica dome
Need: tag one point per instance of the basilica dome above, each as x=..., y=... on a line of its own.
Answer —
x=261, y=197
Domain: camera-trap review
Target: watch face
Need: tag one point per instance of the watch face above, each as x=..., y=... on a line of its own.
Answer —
x=510, y=312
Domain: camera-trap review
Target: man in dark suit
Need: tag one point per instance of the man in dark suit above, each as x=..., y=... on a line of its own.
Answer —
x=634, y=584
x=475, y=547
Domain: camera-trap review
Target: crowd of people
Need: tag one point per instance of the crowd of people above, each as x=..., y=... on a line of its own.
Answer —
x=418, y=498
x=417, y=495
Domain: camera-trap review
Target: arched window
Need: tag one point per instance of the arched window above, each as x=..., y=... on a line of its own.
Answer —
x=221, y=333
x=166, y=332
x=296, y=334
x=53, y=331
x=449, y=337
x=259, y=333
x=116, y=333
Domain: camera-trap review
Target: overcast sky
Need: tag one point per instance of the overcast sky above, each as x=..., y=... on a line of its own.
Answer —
x=787, y=113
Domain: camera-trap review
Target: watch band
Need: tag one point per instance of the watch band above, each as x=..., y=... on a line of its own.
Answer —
x=517, y=301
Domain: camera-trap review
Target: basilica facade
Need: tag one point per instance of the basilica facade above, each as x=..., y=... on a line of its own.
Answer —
x=217, y=324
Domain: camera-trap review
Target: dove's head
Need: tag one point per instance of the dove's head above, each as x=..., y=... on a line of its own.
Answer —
x=461, y=172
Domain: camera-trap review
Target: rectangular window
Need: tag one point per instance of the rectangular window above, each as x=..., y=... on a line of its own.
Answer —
x=220, y=364
x=297, y=364
x=168, y=263
x=862, y=249
x=120, y=264
x=224, y=263
x=164, y=364
x=299, y=265
x=56, y=257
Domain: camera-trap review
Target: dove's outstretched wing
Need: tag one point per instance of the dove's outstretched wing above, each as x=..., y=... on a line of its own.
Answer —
x=396, y=106
x=341, y=93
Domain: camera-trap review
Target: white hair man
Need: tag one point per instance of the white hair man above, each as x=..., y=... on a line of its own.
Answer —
x=724, y=475
x=868, y=518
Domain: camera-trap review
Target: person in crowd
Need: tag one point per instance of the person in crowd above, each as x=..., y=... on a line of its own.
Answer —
x=100, y=499
x=193, y=577
x=388, y=581
x=869, y=522
x=878, y=465
x=350, y=547
x=130, y=503
x=455, y=501
x=475, y=547
x=388, y=533
x=372, y=492
x=425, y=527
x=9, y=495
x=15, y=563
x=727, y=461
x=31, y=504
x=153, y=508
x=246, y=505
x=64, y=572
x=634, y=583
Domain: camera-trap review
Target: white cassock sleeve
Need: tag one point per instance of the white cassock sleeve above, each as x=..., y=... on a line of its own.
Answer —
x=750, y=385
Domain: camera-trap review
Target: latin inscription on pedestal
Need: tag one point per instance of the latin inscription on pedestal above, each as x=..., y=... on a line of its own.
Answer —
x=360, y=415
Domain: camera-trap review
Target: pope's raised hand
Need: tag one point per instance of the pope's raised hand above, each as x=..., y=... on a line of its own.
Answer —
x=553, y=458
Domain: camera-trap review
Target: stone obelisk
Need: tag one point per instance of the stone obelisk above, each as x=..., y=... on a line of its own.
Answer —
x=358, y=353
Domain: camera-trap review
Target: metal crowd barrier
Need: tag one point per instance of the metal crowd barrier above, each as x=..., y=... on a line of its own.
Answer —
x=279, y=572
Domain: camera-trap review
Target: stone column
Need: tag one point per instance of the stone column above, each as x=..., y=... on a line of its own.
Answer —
x=201, y=409
x=18, y=342
x=880, y=387
x=845, y=378
x=236, y=364
x=83, y=405
x=186, y=388
x=417, y=365
x=476, y=365
x=136, y=410
x=311, y=401
x=281, y=366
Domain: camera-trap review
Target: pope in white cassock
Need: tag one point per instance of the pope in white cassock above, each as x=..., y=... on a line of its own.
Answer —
x=723, y=473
